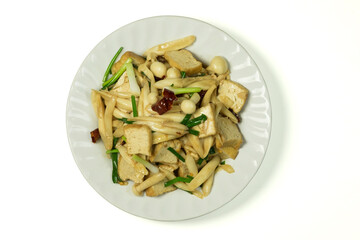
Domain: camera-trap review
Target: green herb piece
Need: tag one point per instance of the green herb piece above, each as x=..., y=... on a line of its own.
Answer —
x=199, y=162
x=133, y=103
x=176, y=154
x=111, y=64
x=177, y=179
x=115, y=140
x=112, y=151
x=123, y=138
x=194, y=132
x=183, y=74
x=186, y=119
x=196, y=121
x=212, y=150
x=148, y=165
x=116, y=77
x=126, y=121
x=115, y=174
x=134, y=87
x=222, y=163
x=178, y=91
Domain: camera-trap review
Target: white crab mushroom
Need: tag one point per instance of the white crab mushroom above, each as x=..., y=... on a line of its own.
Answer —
x=188, y=106
x=218, y=65
x=158, y=69
x=173, y=73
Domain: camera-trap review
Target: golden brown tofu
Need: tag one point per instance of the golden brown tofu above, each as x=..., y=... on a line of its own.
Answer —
x=138, y=139
x=184, y=61
x=163, y=155
x=208, y=127
x=232, y=94
x=134, y=172
x=229, y=132
x=228, y=152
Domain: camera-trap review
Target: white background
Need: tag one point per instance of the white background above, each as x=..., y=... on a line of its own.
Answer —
x=308, y=185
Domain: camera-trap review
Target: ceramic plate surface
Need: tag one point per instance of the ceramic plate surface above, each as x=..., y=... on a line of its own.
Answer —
x=138, y=37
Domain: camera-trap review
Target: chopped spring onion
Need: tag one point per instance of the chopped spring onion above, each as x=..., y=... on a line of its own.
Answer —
x=199, y=162
x=115, y=174
x=177, y=179
x=211, y=151
x=114, y=78
x=123, y=138
x=115, y=140
x=111, y=64
x=176, y=154
x=126, y=121
x=134, y=87
x=177, y=91
x=148, y=165
x=183, y=74
x=112, y=151
x=186, y=119
x=193, y=132
x=196, y=121
x=133, y=103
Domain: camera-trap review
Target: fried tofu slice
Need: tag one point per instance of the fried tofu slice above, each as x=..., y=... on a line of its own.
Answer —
x=161, y=154
x=134, y=172
x=228, y=152
x=232, y=94
x=138, y=139
x=184, y=61
x=230, y=138
x=207, y=128
x=229, y=133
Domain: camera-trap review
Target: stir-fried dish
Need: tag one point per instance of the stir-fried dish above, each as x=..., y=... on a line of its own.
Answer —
x=167, y=120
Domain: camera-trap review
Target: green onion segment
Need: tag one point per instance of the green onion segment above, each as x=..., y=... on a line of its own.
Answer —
x=112, y=151
x=196, y=121
x=183, y=74
x=186, y=119
x=194, y=132
x=177, y=91
x=133, y=103
x=114, y=78
x=134, y=87
x=126, y=121
x=176, y=154
x=115, y=174
x=148, y=165
x=111, y=64
x=177, y=179
x=211, y=151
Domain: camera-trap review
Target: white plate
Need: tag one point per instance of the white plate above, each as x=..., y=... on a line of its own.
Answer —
x=139, y=36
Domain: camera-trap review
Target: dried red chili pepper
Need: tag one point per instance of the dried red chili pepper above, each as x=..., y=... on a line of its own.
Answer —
x=164, y=104
x=95, y=135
